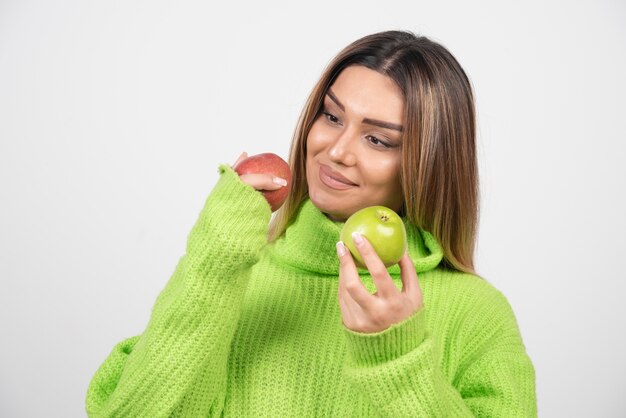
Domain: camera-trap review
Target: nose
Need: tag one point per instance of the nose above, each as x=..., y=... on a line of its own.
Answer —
x=342, y=150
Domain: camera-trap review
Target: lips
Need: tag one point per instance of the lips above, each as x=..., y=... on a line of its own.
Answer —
x=334, y=179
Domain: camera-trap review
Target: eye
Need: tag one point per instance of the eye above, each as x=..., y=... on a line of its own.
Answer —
x=377, y=141
x=331, y=118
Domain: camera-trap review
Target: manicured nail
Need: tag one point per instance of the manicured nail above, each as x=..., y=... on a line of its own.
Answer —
x=341, y=249
x=280, y=181
x=357, y=238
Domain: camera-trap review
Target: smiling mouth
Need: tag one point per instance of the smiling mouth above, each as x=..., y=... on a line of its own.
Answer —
x=333, y=183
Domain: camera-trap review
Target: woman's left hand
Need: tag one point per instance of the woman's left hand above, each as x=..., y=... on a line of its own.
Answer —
x=369, y=313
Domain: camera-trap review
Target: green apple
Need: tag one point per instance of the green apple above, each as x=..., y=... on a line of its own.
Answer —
x=383, y=228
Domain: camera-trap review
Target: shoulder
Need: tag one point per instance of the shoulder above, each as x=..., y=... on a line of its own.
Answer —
x=474, y=326
x=467, y=290
x=473, y=304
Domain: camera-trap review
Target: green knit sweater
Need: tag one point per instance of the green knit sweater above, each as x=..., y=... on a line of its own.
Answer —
x=245, y=328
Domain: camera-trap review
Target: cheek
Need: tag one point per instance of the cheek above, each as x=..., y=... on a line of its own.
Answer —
x=384, y=172
x=313, y=147
x=317, y=139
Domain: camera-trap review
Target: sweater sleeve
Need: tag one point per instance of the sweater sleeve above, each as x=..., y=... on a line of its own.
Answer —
x=400, y=371
x=177, y=366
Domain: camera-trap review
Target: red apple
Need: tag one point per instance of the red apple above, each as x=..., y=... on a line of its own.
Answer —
x=268, y=163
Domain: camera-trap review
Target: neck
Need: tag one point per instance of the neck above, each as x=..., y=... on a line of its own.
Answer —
x=333, y=218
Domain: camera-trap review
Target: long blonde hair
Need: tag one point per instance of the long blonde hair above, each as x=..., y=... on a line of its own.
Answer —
x=439, y=173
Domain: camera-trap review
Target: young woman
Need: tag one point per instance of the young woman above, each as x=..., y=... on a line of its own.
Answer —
x=270, y=316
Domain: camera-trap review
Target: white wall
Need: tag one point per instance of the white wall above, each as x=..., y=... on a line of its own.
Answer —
x=114, y=116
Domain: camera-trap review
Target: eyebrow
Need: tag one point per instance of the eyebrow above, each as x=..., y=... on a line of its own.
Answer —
x=369, y=121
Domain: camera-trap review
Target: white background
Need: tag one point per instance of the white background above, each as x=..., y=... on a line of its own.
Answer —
x=114, y=116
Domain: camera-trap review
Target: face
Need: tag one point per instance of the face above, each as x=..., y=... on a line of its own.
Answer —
x=352, y=161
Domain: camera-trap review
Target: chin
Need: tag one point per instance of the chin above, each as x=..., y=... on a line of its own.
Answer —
x=328, y=205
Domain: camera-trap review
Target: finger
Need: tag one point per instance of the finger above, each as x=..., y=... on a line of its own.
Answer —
x=349, y=279
x=350, y=310
x=380, y=276
x=410, y=281
x=243, y=156
x=263, y=181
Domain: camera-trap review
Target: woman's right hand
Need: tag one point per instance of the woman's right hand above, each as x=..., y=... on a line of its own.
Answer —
x=260, y=181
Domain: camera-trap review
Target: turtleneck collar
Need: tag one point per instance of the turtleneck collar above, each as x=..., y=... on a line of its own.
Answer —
x=309, y=244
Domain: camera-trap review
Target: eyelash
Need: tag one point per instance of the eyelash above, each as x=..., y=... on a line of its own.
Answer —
x=328, y=115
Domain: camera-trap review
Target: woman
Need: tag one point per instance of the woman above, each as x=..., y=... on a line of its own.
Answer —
x=273, y=318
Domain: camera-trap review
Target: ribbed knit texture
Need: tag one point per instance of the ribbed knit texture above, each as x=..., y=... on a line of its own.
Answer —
x=247, y=329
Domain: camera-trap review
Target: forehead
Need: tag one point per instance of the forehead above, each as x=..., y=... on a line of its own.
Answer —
x=368, y=94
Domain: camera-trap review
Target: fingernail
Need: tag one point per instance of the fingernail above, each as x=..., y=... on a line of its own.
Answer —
x=341, y=249
x=280, y=181
x=357, y=238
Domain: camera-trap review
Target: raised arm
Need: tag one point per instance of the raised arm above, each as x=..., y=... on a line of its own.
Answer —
x=177, y=366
